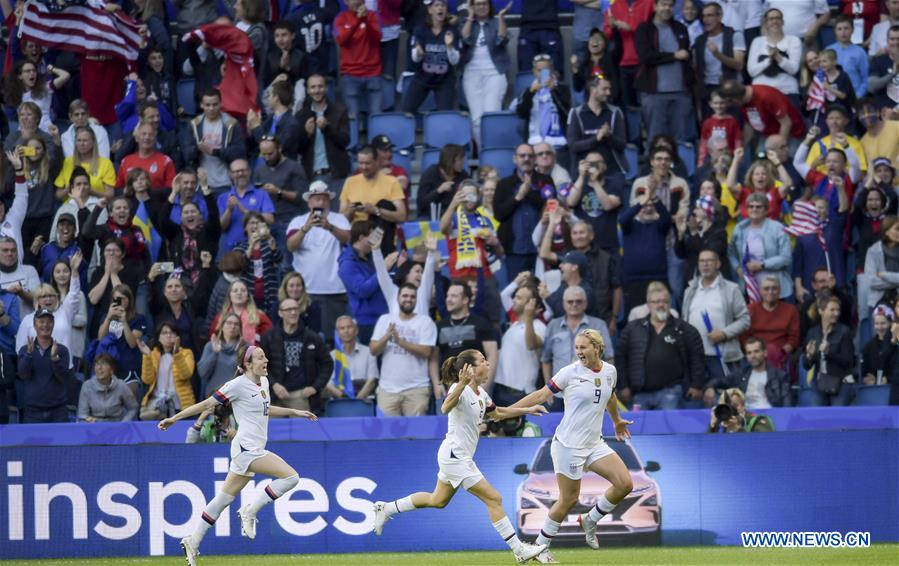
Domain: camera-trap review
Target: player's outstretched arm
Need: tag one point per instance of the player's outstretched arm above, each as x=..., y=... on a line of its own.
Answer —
x=194, y=409
x=285, y=412
x=621, y=432
x=503, y=413
x=538, y=397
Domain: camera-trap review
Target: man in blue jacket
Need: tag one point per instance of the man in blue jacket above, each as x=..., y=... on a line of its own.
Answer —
x=9, y=325
x=357, y=271
x=44, y=369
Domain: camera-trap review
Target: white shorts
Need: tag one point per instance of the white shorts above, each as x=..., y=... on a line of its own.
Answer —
x=571, y=462
x=457, y=471
x=240, y=463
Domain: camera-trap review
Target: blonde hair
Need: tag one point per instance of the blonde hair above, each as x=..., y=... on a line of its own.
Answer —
x=94, y=160
x=304, y=301
x=43, y=290
x=595, y=339
x=769, y=169
x=252, y=311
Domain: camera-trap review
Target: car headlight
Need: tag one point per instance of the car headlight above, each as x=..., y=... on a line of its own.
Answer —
x=537, y=492
x=527, y=504
x=650, y=501
x=642, y=488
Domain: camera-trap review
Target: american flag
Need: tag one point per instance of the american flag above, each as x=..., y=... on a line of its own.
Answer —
x=752, y=286
x=806, y=222
x=82, y=26
x=817, y=97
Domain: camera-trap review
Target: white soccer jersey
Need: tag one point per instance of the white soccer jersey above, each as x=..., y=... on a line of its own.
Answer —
x=250, y=403
x=465, y=419
x=586, y=394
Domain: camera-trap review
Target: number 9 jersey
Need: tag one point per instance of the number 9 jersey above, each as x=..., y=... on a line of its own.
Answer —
x=586, y=394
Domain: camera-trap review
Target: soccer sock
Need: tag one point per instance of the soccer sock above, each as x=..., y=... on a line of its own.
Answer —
x=601, y=509
x=399, y=506
x=549, y=530
x=218, y=504
x=505, y=530
x=274, y=490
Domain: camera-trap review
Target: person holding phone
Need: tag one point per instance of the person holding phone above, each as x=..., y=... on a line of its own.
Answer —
x=263, y=267
x=545, y=104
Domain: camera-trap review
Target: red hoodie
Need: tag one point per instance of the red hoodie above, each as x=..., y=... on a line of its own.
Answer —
x=360, y=44
x=634, y=14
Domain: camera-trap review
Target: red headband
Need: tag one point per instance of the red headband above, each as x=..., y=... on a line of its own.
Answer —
x=249, y=354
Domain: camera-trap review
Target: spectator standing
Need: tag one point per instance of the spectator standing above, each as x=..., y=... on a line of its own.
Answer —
x=716, y=309
x=877, y=39
x=242, y=198
x=518, y=369
x=374, y=196
x=280, y=122
x=405, y=341
x=485, y=59
x=284, y=58
x=462, y=330
x=9, y=325
x=588, y=18
x=361, y=365
x=852, y=58
x=802, y=18
x=574, y=267
x=357, y=272
x=644, y=226
x=659, y=357
x=878, y=352
x=253, y=322
x=758, y=248
x=766, y=110
x=666, y=75
x=435, y=50
x=829, y=352
x=440, y=181
x=80, y=117
x=702, y=229
x=216, y=140
x=824, y=284
x=310, y=20
x=518, y=205
x=597, y=126
x=775, y=56
x=284, y=180
x=718, y=54
x=883, y=74
x=539, y=33
x=324, y=134
x=596, y=198
x=44, y=368
x=544, y=104
x=300, y=363
x=105, y=397
x=623, y=19
x=315, y=240
x=776, y=322
x=596, y=60
x=358, y=33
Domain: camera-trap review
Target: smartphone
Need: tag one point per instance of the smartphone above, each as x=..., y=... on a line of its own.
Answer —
x=117, y=302
x=166, y=266
x=28, y=151
x=357, y=205
x=318, y=212
x=544, y=76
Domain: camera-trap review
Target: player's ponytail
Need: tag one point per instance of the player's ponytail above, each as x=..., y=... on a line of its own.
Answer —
x=449, y=371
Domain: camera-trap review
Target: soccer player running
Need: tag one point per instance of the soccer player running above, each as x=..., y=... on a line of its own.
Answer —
x=250, y=400
x=588, y=387
x=467, y=403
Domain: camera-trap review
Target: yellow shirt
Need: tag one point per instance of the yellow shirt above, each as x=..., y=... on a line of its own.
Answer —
x=105, y=174
x=856, y=146
x=884, y=145
x=359, y=189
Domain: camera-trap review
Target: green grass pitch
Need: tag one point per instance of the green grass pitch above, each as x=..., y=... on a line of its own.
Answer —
x=877, y=554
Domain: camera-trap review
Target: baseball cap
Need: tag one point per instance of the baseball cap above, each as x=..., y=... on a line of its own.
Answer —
x=66, y=217
x=40, y=313
x=381, y=142
x=577, y=258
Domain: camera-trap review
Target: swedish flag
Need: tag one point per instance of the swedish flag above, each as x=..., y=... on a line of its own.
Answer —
x=342, y=378
x=142, y=220
x=415, y=233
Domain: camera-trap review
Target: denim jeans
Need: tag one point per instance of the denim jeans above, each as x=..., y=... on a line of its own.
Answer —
x=354, y=88
x=667, y=398
x=533, y=42
x=669, y=113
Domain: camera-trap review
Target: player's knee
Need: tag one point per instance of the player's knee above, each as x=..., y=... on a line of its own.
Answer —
x=495, y=499
x=439, y=503
x=625, y=484
x=291, y=482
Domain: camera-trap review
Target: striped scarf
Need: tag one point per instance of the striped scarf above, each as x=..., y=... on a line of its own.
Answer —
x=466, y=244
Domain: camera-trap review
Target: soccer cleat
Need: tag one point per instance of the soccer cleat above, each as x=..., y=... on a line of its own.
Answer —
x=247, y=522
x=528, y=551
x=190, y=552
x=589, y=526
x=380, y=517
x=546, y=557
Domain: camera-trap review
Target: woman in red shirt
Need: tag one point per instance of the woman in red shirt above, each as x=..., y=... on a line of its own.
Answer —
x=762, y=177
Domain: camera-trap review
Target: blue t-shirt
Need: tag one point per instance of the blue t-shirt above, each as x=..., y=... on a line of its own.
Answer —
x=255, y=200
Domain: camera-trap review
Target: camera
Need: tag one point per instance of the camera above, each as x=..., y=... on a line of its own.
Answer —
x=724, y=412
x=117, y=302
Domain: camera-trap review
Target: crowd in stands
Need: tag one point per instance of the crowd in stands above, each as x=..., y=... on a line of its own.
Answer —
x=710, y=185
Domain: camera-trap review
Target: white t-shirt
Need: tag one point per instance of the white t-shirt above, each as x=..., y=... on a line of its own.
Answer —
x=586, y=394
x=316, y=258
x=216, y=169
x=878, y=37
x=465, y=419
x=250, y=403
x=799, y=15
x=518, y=366
x=756, y=398
x=400, y=369
x=480, y=57
x=27, y=277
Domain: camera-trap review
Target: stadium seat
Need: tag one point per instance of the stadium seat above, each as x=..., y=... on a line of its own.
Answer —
x=443, y=127
x=809, y=397
x=499, y=158
x=349, y=408
x=403, y=158
x=429, y=105
x=630, y=154
x=873, y=395
x=354, y=135
x=397, y=126
x=523, y=82
x=430, y=156
x=632, y=116
x=500, y=129
x=687, y=153
x=186, y=89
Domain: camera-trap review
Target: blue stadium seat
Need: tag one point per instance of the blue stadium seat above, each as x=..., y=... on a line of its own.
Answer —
x=632, y=116
x=186, y=96
x=403, y=158
x=430, y=103
x=809, y=397
x=687, y=153
x=873, y=395
x=499, y=158
x=523, y=82
x=399, y=127
x=388, y=95
x=500, y=129
x=429, y=157
x=354, y=135
x=630, y=154
x=349, y=408
x=448, y=126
